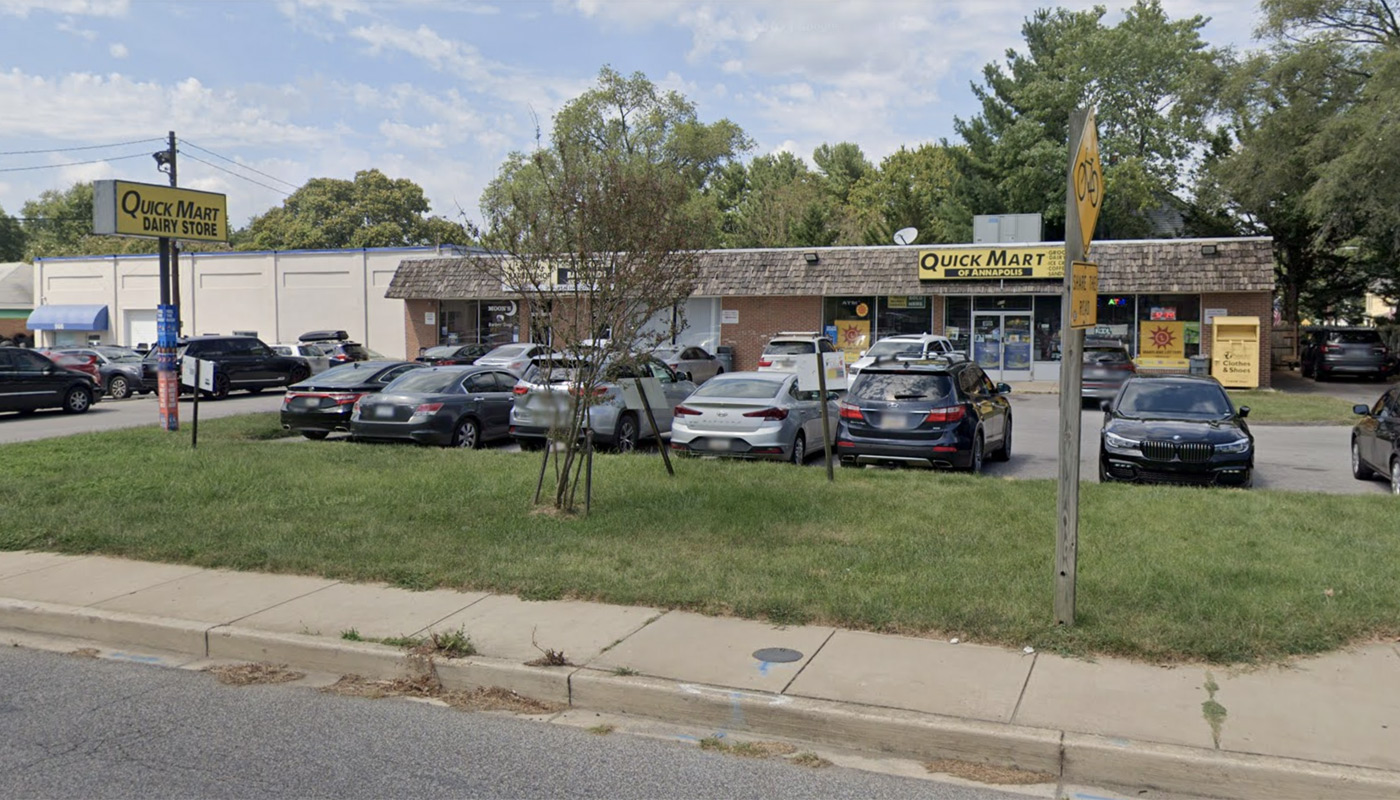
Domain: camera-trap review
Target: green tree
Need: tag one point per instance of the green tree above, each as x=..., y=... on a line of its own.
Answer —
x=912, y=189
x=372, y=210
x=59, y=223
x=774, y=201
x=11, y=238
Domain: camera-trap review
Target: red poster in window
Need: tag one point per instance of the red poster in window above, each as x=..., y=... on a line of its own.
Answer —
x=1163, y=313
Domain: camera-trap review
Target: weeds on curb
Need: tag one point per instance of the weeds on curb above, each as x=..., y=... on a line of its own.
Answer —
x=250, y=674
x=451, y=644
x=351, y=635
x=623, y=671
x=988, y=773
x=548, y=658
x=602, y=730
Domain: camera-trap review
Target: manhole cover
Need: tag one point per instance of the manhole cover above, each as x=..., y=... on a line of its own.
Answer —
x=777, y=655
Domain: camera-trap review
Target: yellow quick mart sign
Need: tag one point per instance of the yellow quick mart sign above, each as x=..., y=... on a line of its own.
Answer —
x=991, y=263
x=122, y=208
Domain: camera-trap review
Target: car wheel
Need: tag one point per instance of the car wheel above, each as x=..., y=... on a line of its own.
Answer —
x=298, y=375
x=799, y=449
x=119, y=387
x=1104, y=477
x=1307, y=370
x=975, y=467
x=78, y=400
x=221, y=388
x=1359, y=470
x=1003, y=453
x=315, y=436
x=625, y=439
x=467, y=435
x=1248, y=479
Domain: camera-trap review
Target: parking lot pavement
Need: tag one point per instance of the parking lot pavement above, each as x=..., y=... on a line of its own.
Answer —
x=133, y=412
x=1303, y=458
x=1353, y=390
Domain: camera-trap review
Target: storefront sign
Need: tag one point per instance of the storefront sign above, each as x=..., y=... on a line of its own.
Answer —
x=729, y=316
x=429, y=318
x=904, y=301
x=123, y=208
x=991, y=263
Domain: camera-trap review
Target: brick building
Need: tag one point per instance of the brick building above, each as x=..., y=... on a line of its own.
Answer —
x=1000, y=303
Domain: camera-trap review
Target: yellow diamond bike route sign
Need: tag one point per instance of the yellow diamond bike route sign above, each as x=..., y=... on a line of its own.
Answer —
x=1088, y=180
x=1084, y=295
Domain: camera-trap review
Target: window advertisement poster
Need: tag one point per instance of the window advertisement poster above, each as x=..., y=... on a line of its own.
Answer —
x=852, y=337
x=1162, y=344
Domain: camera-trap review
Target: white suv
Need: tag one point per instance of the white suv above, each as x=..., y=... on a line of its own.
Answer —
x=800, y=352
x=909, y=346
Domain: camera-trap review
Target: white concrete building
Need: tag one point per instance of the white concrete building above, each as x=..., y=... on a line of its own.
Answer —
x=278, y=295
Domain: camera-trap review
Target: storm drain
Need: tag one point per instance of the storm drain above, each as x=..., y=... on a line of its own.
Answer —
x=777, y=655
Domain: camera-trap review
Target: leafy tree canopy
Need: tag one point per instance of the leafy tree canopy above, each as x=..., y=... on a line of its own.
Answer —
x=59, y=223
x=11, y=238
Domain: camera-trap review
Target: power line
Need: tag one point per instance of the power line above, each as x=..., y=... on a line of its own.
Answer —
x=74, y=163
x=71, y=149
x=236, y=175
x=237, y=163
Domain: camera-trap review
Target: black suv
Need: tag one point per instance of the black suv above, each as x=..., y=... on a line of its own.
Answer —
x=337, y=345
x=1330, y=352
x=29, y=381
x=927, y=413
x=242, y=362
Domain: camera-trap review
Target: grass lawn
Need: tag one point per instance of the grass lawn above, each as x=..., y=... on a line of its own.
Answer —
x=1164, y=573
x=1287, y=408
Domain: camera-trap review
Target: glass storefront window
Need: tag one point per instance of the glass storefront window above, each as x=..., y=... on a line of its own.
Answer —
x=849, y=323
x=957, y=323
x=903, y=314
x=1047, y=328
x=1177, y=314
x=489, y=321
x=1117, y=319
x=1012, y=302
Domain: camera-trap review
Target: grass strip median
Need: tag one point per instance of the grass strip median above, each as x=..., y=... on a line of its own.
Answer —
x=1290, y=408
x=1165, y=573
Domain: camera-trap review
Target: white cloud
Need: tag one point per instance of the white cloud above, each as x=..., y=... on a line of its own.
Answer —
x=399, y=134
x=118, y=50
x=84, y=8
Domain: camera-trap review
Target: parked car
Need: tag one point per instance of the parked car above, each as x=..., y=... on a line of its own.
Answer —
x=1330, y=352
x=339, y=349
x=323, y=403
x=546, y=394
x=87, y=365
x=241, y=362
x=695, y=363
x=447, y=355
x=448, y=406
x=515, y=357
x=317, y=360
x=1375, y=440
x=801, y=352
x=1106, y=367
x=761, y=415
x=30, y=381
x=912, y=346
x=119, y=368
x=1175, y=429
x=934, y=413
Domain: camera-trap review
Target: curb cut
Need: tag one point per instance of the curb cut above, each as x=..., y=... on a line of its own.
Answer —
x=1072, y=757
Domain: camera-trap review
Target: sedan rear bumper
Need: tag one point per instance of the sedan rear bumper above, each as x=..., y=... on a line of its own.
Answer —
x=426, y=432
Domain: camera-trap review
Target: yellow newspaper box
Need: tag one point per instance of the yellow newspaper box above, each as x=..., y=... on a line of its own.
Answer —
x=1234, y=354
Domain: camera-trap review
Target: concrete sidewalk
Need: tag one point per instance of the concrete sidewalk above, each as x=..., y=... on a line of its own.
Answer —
x=1324, y=727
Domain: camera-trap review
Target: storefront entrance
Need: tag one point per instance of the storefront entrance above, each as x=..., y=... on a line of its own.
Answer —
x=1001, y=344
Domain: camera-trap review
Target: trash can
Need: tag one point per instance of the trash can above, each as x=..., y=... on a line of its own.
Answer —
x=725, y=354
x=1200, y=365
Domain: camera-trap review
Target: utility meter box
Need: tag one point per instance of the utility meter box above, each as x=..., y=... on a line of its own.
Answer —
x=1234, y=352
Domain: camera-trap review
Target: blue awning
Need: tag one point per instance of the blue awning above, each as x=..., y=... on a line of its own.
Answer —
x=68, y=318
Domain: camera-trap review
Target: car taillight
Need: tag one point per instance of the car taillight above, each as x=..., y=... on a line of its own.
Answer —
x=850, y=412
x=765, y=362
x=341, y=358
x=344, y=398
x=1126, y=365
x=520, y=390
x=686, y=411
x=427, y=408
x=952, y=414
x=773, y=414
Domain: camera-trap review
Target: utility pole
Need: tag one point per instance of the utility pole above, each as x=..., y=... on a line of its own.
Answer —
x=174, y=245
x=168, y=315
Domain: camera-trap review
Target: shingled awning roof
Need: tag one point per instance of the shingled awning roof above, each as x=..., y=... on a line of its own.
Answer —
x=1146, y=265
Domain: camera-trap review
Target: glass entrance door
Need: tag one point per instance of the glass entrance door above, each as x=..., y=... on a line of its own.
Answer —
x=1001, y=345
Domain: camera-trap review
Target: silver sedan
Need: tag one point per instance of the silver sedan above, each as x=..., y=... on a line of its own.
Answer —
x=751, y=415
x=696, y=362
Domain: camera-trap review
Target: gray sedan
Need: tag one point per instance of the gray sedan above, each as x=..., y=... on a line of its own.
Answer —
x=693, y=361
x=751, y=415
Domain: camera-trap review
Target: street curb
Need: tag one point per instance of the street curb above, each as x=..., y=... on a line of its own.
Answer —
x=1071, y=757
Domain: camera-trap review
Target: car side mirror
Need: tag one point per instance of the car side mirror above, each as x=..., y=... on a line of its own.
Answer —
x=833, y=395
x=1003, y=388
x=863, y=352
x=1104, y=405
x=1360, y=409
x=1244, y=411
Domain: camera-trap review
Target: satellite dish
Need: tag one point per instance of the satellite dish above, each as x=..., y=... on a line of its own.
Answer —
x=906, y=235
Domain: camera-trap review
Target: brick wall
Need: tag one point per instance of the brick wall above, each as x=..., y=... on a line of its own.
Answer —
x=1243, y=304
x=417, y=333
x=760, y=318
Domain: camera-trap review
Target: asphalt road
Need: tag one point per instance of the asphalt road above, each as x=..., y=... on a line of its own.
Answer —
x=133, y=412
x=76, y=727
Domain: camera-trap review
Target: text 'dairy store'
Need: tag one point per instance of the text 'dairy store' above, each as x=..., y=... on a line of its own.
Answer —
x=1000, y=304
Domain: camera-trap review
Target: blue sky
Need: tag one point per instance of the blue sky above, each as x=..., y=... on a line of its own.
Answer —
x=439, y=92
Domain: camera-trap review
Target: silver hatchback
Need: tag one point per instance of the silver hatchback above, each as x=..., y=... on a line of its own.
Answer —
x=548, y=392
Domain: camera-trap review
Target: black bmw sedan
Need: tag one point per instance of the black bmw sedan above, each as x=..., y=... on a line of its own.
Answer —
x=1175, y=429
x=449, y=406
x=322, y=403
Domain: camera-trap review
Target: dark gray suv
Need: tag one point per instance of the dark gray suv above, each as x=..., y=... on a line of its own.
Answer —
x=1359, y=352
x=241, y=362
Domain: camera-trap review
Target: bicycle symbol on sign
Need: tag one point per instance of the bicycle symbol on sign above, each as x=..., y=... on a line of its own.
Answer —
x=1086, y=181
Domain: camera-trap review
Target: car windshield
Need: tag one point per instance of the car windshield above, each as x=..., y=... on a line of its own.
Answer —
x=345, y=375
x=120, y=355
x=890, y=347
x=440, y=351
x=789, y=348
x=1148, y=399
x=424, y=381
x=1105, y=356
x=889, y=386
x=282, y=349
x=746, y=388
x=508, y=351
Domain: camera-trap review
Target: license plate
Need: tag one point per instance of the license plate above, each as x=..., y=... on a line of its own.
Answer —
x=722, y=445
x=384, y=411
x=306, y=402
